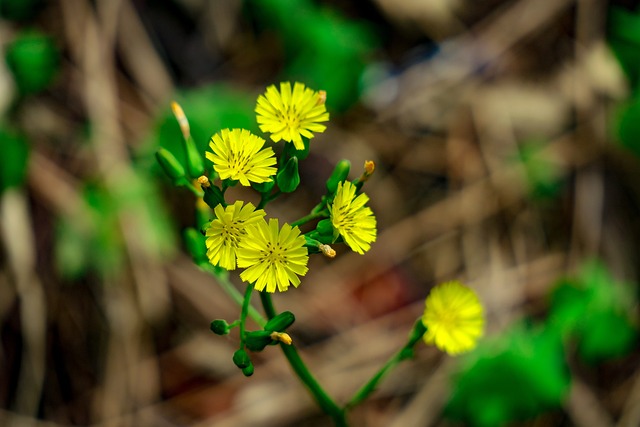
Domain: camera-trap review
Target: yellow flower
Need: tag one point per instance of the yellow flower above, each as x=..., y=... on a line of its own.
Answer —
x=453, y=317
x=291, y=115
x=238, y=155
x=228, y=229
x=273, y=257
x=354, y=221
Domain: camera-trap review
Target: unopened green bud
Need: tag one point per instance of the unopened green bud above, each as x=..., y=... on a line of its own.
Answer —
x=263, y=187
x=195, y=243
x=325, y=227
x=213, y=196
x=288, y=177
x=280, y=322
x=339, y=174
x=248, y=371
x=241, y=359
x=171, y=166
x=195, y=165
x=257, y=340
x=220, y=327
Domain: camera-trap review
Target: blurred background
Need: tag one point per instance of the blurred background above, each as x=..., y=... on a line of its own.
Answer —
x=506, y=136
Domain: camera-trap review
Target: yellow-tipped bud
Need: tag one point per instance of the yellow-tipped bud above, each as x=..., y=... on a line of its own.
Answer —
x=283, y=337
x=182, y=119
x=322, y=97
x=369, y=168
x=204, y=181
x=327, y=251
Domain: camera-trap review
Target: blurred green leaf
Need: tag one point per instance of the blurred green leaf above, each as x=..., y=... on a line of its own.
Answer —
x=594, y=309
x=34, y=60
x=93, y=240
x=209, y=109
x=516, y=377
x=14, y=152
x=624, y=39
x=627, y=124
x=323, y=49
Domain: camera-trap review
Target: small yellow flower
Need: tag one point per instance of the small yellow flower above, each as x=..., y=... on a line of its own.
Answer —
x=354, y=221
x=237, y=154
x=453, y=317
x=291, y=115
x=273, y=257
x=227, y=230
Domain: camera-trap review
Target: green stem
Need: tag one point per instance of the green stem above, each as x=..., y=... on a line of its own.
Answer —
x=404, y=353
x=245, y=310
x=309, y=217
x=322, y=398
x=236, y=296
x=266, y=198
x=192, y=188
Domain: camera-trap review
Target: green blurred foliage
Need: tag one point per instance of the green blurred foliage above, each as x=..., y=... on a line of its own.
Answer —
x=322, y=48
x=595, y=311
x=209, y=109
x=19, y=10
x=14, y=152
x=93, y=240
x=523, y=372
x=542, y=175
x=33, y=59
x=518, y=376
x=624, y=40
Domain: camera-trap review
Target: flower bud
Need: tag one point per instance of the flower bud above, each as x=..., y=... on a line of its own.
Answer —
x=171, y=166
x=280, y=322
x=339, y=174
x=219, y=327
x=241, y=359
x=257, y=340
x=195, y=165
x=213, y=196
x=248, y=371
x=288, y=178
x=282, y=337
x=195, y=243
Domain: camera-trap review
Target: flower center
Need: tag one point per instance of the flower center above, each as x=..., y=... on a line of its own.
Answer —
x=274, y=254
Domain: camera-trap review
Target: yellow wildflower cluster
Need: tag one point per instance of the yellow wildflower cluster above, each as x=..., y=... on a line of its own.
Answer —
x=274, y=257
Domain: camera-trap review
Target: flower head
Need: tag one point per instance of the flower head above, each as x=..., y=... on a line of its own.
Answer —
x=227, y=230
x=237, y=154
x=273, y=257
x=354, y=221
x=291, y=115
x=453, y=317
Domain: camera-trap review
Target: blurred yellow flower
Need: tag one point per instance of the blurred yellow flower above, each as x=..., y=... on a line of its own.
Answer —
x=453, y=317
x=273, y=257
x=355, y=222
x=226, y=231
x=291, y=115
x=237, y=154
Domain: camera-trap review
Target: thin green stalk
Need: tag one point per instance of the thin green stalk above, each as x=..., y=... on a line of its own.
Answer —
x=245, y=309
x=311, y=216
x=266, y=198
x=237, y=297
x=322, y=398
x=192, y=188
x=404, y=353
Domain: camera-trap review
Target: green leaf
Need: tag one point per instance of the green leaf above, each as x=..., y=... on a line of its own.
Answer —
x=514, y=377
x=14, y=152
x=34, y=61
